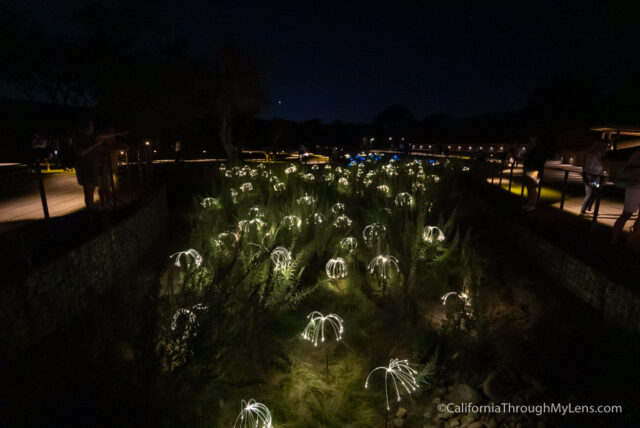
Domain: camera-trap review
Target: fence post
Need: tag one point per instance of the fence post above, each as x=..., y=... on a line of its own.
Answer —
x=564, y=189
x=511, y=175
x=43, y=195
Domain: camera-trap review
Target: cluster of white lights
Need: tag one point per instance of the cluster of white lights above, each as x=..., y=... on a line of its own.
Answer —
x=188, y=258
x=316, y=326
x=253, y=415
x=342, y=222
x=210, y=203
x=291, y=222
x=402, y=377
x=281, y=258
x=246, y=187
x=404, y=200
x=373, y=233
x=433, y=234
x=383, y=266
x=337, y=268
x=349, y=244
x=306, y=201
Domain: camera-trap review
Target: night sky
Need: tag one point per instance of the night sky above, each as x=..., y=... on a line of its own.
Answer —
x=342, y=60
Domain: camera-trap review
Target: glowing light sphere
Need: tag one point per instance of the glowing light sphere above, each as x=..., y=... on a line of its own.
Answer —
x=343, y=181
x=315, y=168
x=252, y=227
x=316, y=219
x=342, y=223
x=306, y=201
x=222, y=167
x=279, y=187
x=462, y=296
x=374, y=233
x=433, y=234
x=338, y=208
x=338, y=170
x=246, y=187
x=316, y=327
x=234, y=195
x=402, y=377
x=349, y=244
x=290, y=170
x=435, y=178
x=337, y=268
x=281, y=258
x=228, y=174
x=404, y=200
x=308, y=177
x=256, y=212
x=383, y=188
x=241, y=173
x=291, y=223
x=418, y=186
x=226, y=241
x=189, y=325
x=383, y=266
x=210, y=203
x=328, y=177
x=273, y=179
x=253, y=415
x=187, y=258
x=254, y=173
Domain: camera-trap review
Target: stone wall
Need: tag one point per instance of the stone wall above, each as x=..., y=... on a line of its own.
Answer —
x=618, y=304
x=57, y=292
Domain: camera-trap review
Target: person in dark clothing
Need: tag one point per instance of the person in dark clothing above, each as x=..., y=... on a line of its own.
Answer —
x=533, y=168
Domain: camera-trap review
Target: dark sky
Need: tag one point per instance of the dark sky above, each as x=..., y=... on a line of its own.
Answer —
x=347, y=60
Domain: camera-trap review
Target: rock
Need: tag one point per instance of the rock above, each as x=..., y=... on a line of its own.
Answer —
x=401, y=413
x=497, y=387
x=445, y=415
x=398, y=422
x=471, y=417
x=463, y=393
x=476, y=424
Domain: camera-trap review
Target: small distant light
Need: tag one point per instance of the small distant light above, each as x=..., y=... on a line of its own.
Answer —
x=146, y=143
x=121, y=152
x=204, y=151
x=155, y=151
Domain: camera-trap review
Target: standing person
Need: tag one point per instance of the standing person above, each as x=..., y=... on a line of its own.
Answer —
x=592, y=174
x=87, y=164
x=533, y=168
x=631, y=198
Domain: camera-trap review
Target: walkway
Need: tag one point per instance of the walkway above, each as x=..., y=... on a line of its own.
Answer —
x=64, y=196
x=551, y=194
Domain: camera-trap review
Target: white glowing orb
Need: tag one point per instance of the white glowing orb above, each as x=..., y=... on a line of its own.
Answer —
x=187, y=258
x=246, y=187
x=343, y=181
x=253, y=226
x=306, y=201
x=383, y=188
x=342, y=223
x=281, y=258
x=226, y=241
x=279, y=187
x=290, y=170
x=349, y=244
x=402, y=376
x=315, y=329
x=337, y=208
x=253, y=415
x=383, y=266
x=308, y=177
x=328, y=177
x=256, y=212
x=316, y=219
x=291, y=223
x=404, y=200
x=433, y=234
x=210, y=203
x=374, y=233
x=337, y=268
x=189, y=324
